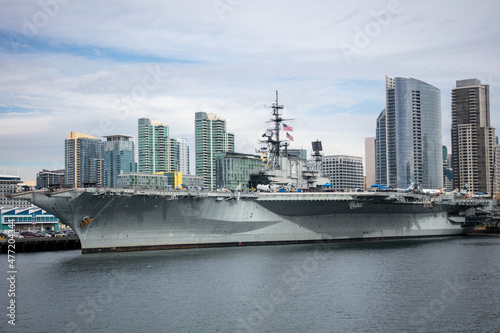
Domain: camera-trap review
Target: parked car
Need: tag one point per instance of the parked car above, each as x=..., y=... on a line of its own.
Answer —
x=70, y=233
x=3, y=235
x=28, y=234
x=42, y=233
x=58, y=234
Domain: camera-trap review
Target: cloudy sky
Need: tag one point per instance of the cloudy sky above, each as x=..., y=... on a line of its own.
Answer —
x=97, y=66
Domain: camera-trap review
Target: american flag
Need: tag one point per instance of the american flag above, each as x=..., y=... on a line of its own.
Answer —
x=287, y=128
x=289, y=136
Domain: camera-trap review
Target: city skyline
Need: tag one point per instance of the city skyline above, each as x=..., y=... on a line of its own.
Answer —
x=69, y=67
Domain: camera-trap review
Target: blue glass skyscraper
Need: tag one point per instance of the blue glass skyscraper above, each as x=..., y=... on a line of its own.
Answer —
x=119, y=158
x=413, y=138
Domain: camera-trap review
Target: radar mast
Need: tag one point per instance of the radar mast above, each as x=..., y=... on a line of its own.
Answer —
x=273, y=136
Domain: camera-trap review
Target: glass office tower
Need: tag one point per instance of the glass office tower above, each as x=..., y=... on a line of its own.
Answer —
x=413, y=139
x=119, y=157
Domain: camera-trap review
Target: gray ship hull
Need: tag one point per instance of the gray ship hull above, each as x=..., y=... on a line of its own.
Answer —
x=122, y=220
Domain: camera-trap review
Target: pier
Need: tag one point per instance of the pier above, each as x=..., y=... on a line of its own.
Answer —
x=41, y=244
x=487, y=229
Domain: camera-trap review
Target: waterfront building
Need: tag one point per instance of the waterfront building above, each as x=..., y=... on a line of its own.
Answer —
x=10, y=185
x=174, y=178
x=370, y=177
x=48, y=178
x=233, y=169
x=412, y=134
x=143, y=180
x=192, y=181
x=156, y=149
x=211, y=139
x=119, y=157
x=344, y=172
x=83, y=160
x=472, y=137
x=32, y=219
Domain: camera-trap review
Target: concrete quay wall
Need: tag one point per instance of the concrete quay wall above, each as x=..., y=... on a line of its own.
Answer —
x=40, y=244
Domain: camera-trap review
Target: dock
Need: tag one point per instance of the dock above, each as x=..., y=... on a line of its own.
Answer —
x=486, y=230
x=40, y=244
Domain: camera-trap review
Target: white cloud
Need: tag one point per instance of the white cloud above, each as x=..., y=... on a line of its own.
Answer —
x=89, y=67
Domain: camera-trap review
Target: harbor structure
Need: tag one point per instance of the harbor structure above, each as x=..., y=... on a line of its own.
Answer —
x=83, y=160
x=413, y=140
x=27, y=218
x=119, y=157
x=211, y=138
x=472, y=137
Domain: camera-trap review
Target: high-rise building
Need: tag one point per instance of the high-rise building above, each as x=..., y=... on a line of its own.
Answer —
x=83, y=160
x=211, y=138
x=496, y=177
x=447, y=171
x=413, y=140
x=119, y=157
x=182, y=156
x=472, y=137
x=344, y=172
x=381, y=150
x=48, y=178
x=156, y=149
x=370, y=178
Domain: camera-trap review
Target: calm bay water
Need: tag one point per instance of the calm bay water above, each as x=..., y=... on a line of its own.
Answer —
x=426, y=285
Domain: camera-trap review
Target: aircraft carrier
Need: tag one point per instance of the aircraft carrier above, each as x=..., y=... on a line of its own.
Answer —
x=124, y=220
x=281, y=210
